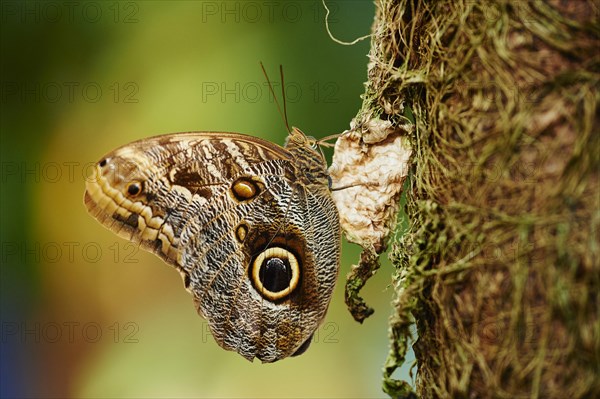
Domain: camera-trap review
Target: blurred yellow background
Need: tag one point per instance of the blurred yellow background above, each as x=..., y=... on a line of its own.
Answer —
x=84, y=313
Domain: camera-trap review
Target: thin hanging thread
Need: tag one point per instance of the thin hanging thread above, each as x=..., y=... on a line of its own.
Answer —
x=331, y=34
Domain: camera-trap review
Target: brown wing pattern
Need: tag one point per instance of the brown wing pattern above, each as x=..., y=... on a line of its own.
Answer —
x=250, y=225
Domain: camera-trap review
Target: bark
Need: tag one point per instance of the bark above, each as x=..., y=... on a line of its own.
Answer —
x=499, y=267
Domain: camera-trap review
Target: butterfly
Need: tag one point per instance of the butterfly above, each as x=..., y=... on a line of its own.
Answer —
x=250, y=225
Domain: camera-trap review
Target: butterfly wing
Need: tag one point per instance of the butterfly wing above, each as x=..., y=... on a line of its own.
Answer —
x=256, y=240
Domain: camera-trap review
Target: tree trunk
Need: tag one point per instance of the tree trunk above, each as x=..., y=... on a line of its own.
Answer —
x=499, y=267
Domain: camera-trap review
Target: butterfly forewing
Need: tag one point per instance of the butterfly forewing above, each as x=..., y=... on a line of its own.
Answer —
x=250, y=225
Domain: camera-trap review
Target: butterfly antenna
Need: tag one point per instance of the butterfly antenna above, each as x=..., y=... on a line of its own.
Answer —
x=284, y=113
x=283, y=95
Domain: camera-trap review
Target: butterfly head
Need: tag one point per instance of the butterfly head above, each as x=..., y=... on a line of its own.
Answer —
x=299, y=139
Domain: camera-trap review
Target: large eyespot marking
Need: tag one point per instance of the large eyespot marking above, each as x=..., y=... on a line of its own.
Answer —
x=275, y=273
x=244, y=189
x=134, y=188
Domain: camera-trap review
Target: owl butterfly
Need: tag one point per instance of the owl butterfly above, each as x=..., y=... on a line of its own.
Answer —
x=251, y=227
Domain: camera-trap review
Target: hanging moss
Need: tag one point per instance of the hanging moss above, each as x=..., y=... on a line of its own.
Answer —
x=499, y=267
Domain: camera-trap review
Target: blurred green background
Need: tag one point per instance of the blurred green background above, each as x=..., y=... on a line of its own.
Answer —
x=84, y=313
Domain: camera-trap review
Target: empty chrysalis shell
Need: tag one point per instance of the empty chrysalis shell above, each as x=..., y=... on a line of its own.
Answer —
x=374, y=162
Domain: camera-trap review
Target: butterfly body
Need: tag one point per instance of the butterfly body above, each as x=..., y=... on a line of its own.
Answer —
x=250, y=225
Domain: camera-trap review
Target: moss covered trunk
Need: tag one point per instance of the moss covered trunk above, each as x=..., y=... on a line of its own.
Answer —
x=499, y=267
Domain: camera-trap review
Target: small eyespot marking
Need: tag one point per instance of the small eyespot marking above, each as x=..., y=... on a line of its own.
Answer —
x=241, y=232
x=244, y=189
x=134, y=188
